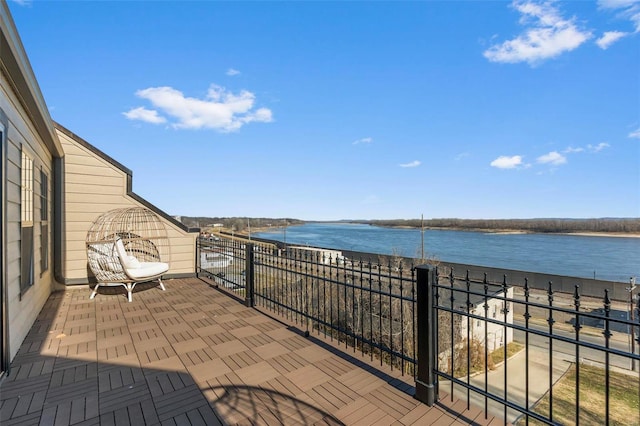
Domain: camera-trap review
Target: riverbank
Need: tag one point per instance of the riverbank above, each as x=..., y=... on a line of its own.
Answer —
x=274, y=229
x=519, y=231
x=604, y=234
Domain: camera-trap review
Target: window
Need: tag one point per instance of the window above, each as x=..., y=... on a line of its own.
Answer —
x=44, y=221
x=26, y=223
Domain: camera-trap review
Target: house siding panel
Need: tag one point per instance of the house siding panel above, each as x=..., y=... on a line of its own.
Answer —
x=94, y=185
x=21, y=134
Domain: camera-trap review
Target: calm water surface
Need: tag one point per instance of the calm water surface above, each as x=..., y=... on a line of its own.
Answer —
x=609, y=258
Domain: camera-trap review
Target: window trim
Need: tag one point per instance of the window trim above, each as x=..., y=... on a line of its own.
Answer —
x=44, y=221
x=27, y=273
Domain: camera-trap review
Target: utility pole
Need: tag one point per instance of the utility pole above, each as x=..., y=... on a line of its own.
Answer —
x=285, y=234
x=632, y=331
x=422, y=235
x=249, y=227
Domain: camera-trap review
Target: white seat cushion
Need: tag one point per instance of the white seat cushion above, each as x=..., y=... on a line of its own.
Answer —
x=148, y=269
x=131, y=262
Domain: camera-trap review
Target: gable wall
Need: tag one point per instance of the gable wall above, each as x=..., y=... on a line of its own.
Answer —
x=95, y=185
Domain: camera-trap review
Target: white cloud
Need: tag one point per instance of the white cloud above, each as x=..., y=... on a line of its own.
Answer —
x=23, y=2
x=627, y=9
x=615, y=4
x=599, y=147
x=609, y=37
x=505, y=162
x=547, y=36
x=635, y=134
x=554, y=158
x=220, y=110
x=462, y=155
x=589, y=148
x=572, y=150
x=415, y=163
x=363, y=140
x=144, y=114
x=231, y=72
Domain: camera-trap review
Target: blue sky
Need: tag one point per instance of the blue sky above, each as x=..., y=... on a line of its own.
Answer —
x=353, y=110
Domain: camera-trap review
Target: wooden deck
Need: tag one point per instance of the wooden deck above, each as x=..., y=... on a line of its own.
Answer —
x=194, y=355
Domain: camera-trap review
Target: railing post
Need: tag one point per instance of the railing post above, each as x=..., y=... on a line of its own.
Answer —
x=248, y=300
x=198, y=251
x=426, y=383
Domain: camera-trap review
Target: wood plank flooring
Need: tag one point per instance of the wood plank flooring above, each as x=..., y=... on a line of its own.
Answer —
x=192, y=355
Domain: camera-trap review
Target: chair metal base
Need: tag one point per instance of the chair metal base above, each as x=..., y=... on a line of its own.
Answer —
x=128, y=286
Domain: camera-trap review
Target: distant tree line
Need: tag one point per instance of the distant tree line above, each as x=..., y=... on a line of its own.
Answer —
x=553, y=225
x=238, y=224
x=613, y=225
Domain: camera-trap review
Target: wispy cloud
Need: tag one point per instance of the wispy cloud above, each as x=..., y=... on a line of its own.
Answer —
x=363, y=140
x=547, y=35
x=588, y=148
x=231, y=72
x=462, y=155
x=610, y=37
x=146, y=115
x=598, y=148
x=635, y=134
x=220, y=110
x=627, y=9
x=415, y=163
x=553, y=158
x=572, y=150
x=23, y=2
x=506, y=162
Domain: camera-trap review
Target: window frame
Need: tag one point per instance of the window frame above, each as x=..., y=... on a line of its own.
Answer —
x=27, y=278
x=44, y=221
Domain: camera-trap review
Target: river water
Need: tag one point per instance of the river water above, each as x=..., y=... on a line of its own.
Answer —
x=604, y=258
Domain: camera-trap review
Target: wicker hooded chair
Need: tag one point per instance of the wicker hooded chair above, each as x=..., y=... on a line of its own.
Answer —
x=126, y=247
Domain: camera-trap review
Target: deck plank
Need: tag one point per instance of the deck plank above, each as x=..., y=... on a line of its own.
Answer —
x=194, y=355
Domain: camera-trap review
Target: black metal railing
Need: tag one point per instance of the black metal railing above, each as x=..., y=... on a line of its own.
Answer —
x=555, y=362
x=503, y=346
x=224, y=261
x=369, y=307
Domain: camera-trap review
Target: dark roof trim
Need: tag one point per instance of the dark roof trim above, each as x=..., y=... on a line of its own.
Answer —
x=129, y=174
x=17, y=68
x=92, y=148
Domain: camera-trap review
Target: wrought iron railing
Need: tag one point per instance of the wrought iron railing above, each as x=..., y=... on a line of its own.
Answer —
x=502, y=345
x=369, y=307
x=457, y=316
x=223, y=260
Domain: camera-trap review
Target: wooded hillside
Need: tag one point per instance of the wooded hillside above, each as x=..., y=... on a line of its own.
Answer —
x=238, y=223
x=611, y=225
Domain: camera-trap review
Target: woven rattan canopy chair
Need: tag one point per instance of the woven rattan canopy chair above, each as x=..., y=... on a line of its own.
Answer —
x=126, y=247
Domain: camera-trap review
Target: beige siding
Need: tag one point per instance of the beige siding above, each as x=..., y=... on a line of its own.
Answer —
x=21, y=134
x=93, y=185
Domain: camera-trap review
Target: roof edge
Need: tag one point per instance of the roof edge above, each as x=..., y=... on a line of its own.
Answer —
x=16, y=65
x=129, y=174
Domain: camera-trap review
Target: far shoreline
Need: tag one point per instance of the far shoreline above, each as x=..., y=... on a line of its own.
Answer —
x=521, y=231
x=487, y=231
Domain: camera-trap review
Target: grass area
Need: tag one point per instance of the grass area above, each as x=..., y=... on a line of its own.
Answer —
x=477, y=357
x=513, y=348
x=624, y=408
